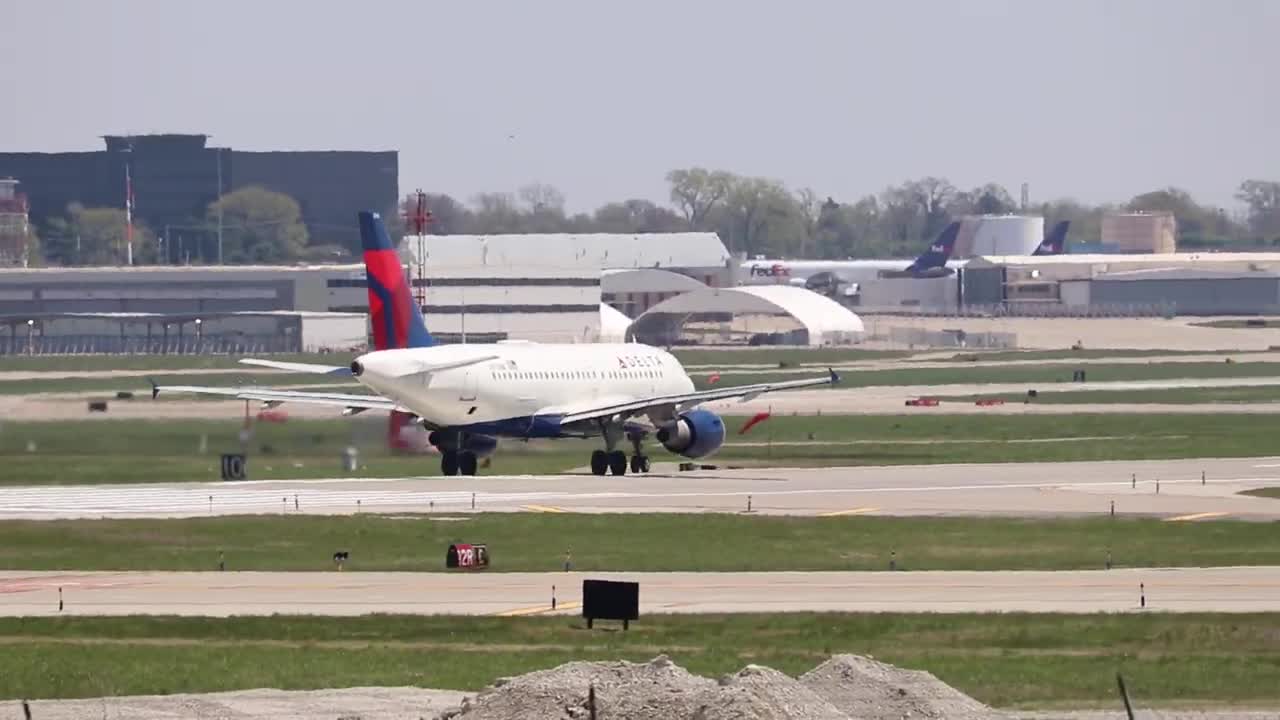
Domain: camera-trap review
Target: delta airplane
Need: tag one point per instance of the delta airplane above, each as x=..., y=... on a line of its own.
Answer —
x=468, y=396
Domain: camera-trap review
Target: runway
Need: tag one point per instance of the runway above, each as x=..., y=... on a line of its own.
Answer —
x=874, y=400
x=335, y=593
x=1009, y=489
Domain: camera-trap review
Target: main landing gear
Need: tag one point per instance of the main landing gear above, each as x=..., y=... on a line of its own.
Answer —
x=458, y=462
x=612, y=461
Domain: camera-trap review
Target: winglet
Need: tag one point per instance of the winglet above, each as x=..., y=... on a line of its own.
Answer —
x=155, y=389
x=835, y=376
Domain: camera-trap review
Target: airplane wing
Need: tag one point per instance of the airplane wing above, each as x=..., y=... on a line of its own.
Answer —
x=351, y=404
x=688, y=400
x=299, y=367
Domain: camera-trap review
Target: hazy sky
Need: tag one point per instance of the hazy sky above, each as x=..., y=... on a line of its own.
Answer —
x=1094, y=99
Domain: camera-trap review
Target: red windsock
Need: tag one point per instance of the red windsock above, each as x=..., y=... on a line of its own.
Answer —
x=755, y=420
x=713, y=378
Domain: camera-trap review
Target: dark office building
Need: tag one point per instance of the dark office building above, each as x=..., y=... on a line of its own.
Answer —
x=175, y=177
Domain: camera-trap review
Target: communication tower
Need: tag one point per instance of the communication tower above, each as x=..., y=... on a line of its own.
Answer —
x=15, y=224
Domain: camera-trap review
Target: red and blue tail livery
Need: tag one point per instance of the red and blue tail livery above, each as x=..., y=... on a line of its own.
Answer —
x=396, y=318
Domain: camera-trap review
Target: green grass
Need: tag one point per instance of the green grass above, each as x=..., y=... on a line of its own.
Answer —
x=715, y=542
x=1033, y=375
x=1177, y=396
x=1006, y=660
x=1254, y=324
x=775, y=356
x=114, y=451
x=1269, y=492
x=1006, y=355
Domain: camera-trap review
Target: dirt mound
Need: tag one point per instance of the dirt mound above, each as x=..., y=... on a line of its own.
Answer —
x=761, y=693
x=864, y=688
x=630, y=691
x=847, y=687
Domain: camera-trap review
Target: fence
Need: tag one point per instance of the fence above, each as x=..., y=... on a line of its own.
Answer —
x=116, y=345
x=1030, y=310
x=920, y=337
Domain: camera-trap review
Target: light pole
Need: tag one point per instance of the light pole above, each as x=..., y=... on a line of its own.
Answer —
x=199, y=333
x=31, y=327
x=218, y=154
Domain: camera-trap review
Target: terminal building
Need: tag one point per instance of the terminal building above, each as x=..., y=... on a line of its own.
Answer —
x=175, y=177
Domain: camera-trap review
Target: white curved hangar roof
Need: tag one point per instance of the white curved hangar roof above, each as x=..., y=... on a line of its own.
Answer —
x=641, y=280
x=826, y=321
x=613, y=325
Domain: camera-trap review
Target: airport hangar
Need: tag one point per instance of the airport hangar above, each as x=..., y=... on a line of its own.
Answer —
x=1087, y=284
x=548, y=288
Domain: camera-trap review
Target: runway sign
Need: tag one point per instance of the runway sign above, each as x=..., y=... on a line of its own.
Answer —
x=233, y=467
x=610, y=600
x=468, y=557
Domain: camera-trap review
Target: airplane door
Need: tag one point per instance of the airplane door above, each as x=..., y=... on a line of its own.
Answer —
x=469, y=383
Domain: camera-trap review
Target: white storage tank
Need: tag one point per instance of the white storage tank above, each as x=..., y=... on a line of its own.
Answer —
x=1141, y=232
x=999, y=235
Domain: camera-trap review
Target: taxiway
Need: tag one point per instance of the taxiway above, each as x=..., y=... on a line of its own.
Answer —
x=1172, y=489
x=1255, y=589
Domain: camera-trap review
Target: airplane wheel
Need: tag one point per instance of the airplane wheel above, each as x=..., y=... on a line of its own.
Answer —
x=643, y=465
x=618, y=462
x=599, y=462
x=467, y=463
x=635, y=463
x=449, y=463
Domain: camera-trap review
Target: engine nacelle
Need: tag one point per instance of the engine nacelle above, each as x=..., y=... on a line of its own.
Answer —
x=480, y=445
x=695, y=434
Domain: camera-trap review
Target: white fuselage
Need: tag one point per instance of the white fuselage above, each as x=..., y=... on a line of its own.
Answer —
x=796, y=272
x=519, y=380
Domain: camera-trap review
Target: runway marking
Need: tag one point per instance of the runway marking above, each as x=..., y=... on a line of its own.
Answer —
x=543, y=508
x=520, y=612
x=854, y=511
x=1196, y=516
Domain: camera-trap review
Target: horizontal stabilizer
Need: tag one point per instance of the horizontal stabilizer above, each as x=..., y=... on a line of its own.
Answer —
x=299, y=367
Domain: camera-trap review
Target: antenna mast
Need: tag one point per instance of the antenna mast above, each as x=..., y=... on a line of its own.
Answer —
x=420, y=217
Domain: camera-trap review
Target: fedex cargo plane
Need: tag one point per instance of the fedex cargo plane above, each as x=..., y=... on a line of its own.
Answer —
x=468, y=396
x=827, y=274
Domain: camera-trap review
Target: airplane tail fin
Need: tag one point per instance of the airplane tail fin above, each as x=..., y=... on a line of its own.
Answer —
x=1055, y=242
x=939, y=251
x=396, y=318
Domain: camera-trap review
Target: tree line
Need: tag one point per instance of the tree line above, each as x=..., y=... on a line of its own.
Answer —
x=752, y=215
x=258, y=226
x=763, y=216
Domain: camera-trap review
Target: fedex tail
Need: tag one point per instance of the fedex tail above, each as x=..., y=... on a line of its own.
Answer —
x=1055, y=243
x=395, y=317
x=933, y=262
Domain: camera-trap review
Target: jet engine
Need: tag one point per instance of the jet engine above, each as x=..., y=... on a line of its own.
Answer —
x=480, y=445
x=695, y=434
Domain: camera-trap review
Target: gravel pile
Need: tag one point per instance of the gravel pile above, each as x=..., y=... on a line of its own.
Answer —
x=656, y=689
x=761, y=693
x=847, y=687
x=864, y=688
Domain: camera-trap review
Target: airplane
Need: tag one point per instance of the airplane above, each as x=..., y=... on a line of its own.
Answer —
x=1055, y=242
x=932, y=262
x=825, y=276
x=468, y=396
